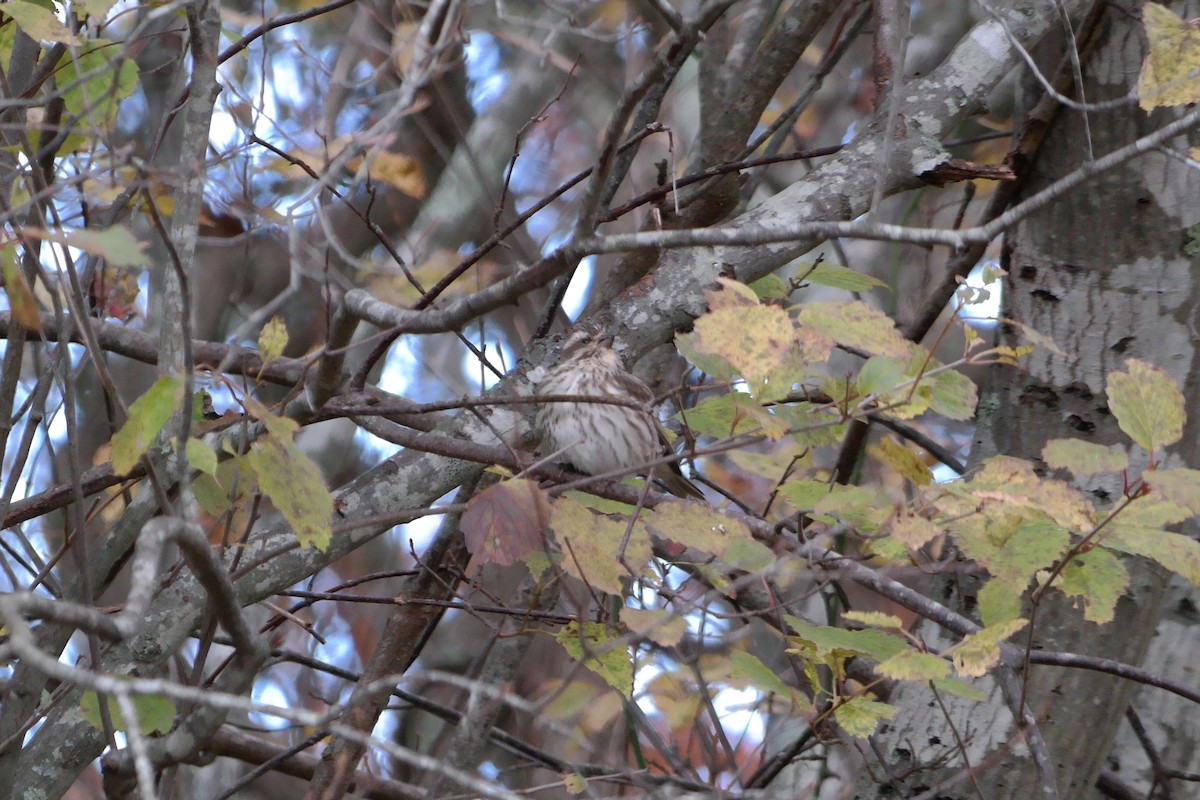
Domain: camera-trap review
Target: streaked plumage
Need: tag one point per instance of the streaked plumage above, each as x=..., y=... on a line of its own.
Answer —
x=598, y=438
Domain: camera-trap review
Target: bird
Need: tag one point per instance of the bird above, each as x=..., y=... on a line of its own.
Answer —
x=599, y=438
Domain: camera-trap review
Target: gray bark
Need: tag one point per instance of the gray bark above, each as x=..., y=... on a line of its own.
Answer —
x=1100, y=271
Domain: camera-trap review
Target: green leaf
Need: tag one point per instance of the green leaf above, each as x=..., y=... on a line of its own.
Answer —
x=914, y=666
x=881, y=375
x=295, y=485
x=721, y=415
x=39, y=23
x=689, y=347
x=860, y=717
x=201, y=457
x=606, y=655
x=600, y=504
x=1180, y=486
x=770, y=287
x=979, y=652
x=856, y=324
x=839, y=277
x=591, y=546
x=952, y=394
x=1084, y=458
x=748, y=667
x=825, y=640
x=804, y=495
x=859, y=506
x=147, y=416
x=1098, y=579
x=154, y=714
x=707, y=529
x=1147, y=404
x=97, y=79
x=272, y=339
x=998, y=602
x=1175, y=551
x=959, y=688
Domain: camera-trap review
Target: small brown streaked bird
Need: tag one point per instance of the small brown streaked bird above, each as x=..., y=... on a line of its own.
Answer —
x=597, y=438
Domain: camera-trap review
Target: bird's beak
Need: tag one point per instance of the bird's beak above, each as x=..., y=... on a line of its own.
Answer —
x=607, y=339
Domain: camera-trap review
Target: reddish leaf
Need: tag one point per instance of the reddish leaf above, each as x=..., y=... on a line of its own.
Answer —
x=506, y=522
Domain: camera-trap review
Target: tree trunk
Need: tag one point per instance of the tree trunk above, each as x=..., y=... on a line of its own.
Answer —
x=1101, y=271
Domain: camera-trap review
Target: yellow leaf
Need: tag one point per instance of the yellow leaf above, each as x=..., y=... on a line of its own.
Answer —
x=903, y=461
x=1084, y=458
x=294, y=483
x=573, y=782
x=397, y=170
x=876, y=619
x=913, y=530
x=1171, y=73
x=272, y=339
x=40, y=23
x=754, y=339
x=913, y=666
x=591, y=546
x=20, y=298
x=1147, y=404
x=858, y=325
x=860, y=717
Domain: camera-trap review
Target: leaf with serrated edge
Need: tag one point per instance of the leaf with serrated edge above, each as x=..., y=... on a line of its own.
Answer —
x=754, y=339
x=914, y=666
x=1084, y=458
x=1098, y=579
x=272, y=339
x=1147, y=404
x=705, y=529
x=295, y=485
x=979, y=652
x=913, y=530
x=856, y=324
x=1169, y=73
x=860, y=717
x=605, y=654
x=591, y=545
x=1181, y=486
x=1175, y=551
x=147, y=416
x=998, y=602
